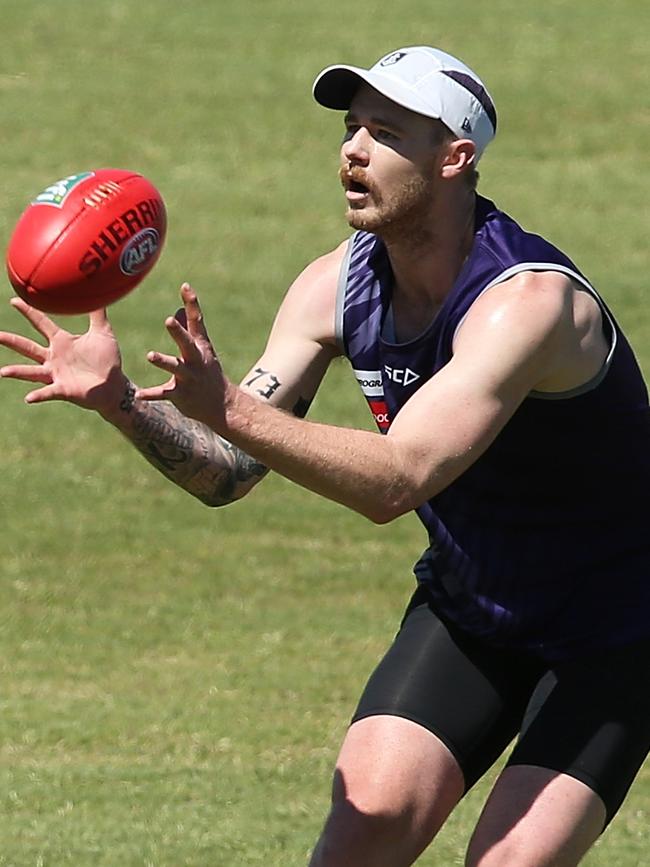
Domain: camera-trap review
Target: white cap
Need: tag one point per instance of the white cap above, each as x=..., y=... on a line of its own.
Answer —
x=424, y=80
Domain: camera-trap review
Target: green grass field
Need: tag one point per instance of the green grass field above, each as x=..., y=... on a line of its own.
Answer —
x=175, y=680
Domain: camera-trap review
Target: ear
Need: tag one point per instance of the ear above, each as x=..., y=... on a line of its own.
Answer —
x=461, y=154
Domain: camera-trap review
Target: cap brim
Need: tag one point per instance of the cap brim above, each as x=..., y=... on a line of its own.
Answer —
x=335, y=86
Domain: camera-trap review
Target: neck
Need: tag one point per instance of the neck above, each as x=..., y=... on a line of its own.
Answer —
x=427, y=259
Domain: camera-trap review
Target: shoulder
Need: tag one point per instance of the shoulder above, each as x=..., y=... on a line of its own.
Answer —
x=536, y=302
x=544, y=321
x=324, y=270
x=320, y=277
x=310, y=302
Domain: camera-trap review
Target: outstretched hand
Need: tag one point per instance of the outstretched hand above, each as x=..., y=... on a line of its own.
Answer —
x=197, y=385
x=84, y=369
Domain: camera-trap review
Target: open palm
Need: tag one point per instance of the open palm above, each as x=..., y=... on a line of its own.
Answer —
x=84, y=369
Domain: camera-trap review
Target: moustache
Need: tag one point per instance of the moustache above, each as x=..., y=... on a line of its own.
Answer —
x=352, y=177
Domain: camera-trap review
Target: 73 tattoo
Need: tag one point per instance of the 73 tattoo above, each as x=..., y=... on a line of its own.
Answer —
x=272, y=384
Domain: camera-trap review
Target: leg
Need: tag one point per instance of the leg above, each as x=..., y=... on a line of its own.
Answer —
x=583, y=741
x=536, y=818
x=394, y=786
x=436, y=713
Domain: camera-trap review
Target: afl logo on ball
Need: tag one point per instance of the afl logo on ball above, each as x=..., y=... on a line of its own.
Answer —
x=139, y=251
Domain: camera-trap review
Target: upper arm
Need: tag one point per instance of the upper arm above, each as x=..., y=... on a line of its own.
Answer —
x=302, y=341
x=299, y=348
x=515, y=336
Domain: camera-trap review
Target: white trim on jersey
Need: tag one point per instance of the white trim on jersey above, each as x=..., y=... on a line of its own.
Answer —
x=562, y=269
x=340, y=297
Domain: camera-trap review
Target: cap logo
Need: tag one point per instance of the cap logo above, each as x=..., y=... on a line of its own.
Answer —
x=390, y=59
x=466, y=125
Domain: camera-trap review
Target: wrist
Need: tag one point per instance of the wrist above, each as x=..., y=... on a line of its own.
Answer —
x=237, y=406
x=119, y=401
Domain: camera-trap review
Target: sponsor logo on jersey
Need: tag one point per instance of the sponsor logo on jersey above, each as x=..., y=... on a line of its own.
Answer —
x=401, y=375
x=370, y=382
x=57, y=193
x=379, y=410
x=137, y=254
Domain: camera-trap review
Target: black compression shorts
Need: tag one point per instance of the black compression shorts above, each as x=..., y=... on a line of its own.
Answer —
x=588, y=717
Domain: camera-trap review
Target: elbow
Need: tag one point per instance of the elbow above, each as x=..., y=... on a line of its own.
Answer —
x=385, y=511
x=229, y=489
x=381, y=517
x=215, y=499
x=212, y=502
x=215, y=504
x=404, y=498
x=403, y=489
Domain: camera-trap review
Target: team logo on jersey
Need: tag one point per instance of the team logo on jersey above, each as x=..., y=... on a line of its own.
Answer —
x=401, y=375
x=370, y=382
x=390, y=59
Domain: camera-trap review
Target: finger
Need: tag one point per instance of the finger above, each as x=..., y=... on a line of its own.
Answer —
x=23, y=346
x=195, y=323
x=42, y=323
x=26, y=372
x=49, y=392
x=181, y=317
x=156, y=392
x=99, y=319
x=169, y=363
x=183, y=339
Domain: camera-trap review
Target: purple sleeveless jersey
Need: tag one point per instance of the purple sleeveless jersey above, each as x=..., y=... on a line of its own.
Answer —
x=543, y=542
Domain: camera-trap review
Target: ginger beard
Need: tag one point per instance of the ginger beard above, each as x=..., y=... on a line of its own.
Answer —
x=393, y=214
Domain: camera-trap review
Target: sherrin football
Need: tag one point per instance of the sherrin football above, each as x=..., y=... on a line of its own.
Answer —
x=86, y=241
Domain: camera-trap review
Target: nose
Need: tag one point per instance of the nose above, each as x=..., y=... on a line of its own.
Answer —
x=356, y=147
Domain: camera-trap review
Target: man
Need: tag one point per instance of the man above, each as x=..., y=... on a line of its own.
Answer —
x=513, y=418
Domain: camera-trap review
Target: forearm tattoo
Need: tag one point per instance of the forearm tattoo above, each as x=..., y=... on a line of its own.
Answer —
x=126, y=404
x=188, y=453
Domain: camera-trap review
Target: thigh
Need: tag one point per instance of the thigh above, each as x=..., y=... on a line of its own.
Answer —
x=471, y=696
x=591, y=720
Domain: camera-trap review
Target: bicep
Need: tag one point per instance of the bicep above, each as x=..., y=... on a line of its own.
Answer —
x=447, y=425
x=288, y=373
x=301, y=344
x=501, y=353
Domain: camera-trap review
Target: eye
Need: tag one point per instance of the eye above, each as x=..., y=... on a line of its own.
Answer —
x=350, y=130
x=385, y=135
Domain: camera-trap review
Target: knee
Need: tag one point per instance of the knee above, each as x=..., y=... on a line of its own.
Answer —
x=359, y=833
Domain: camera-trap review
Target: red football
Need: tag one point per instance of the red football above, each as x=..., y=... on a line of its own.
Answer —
x=86, y=241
